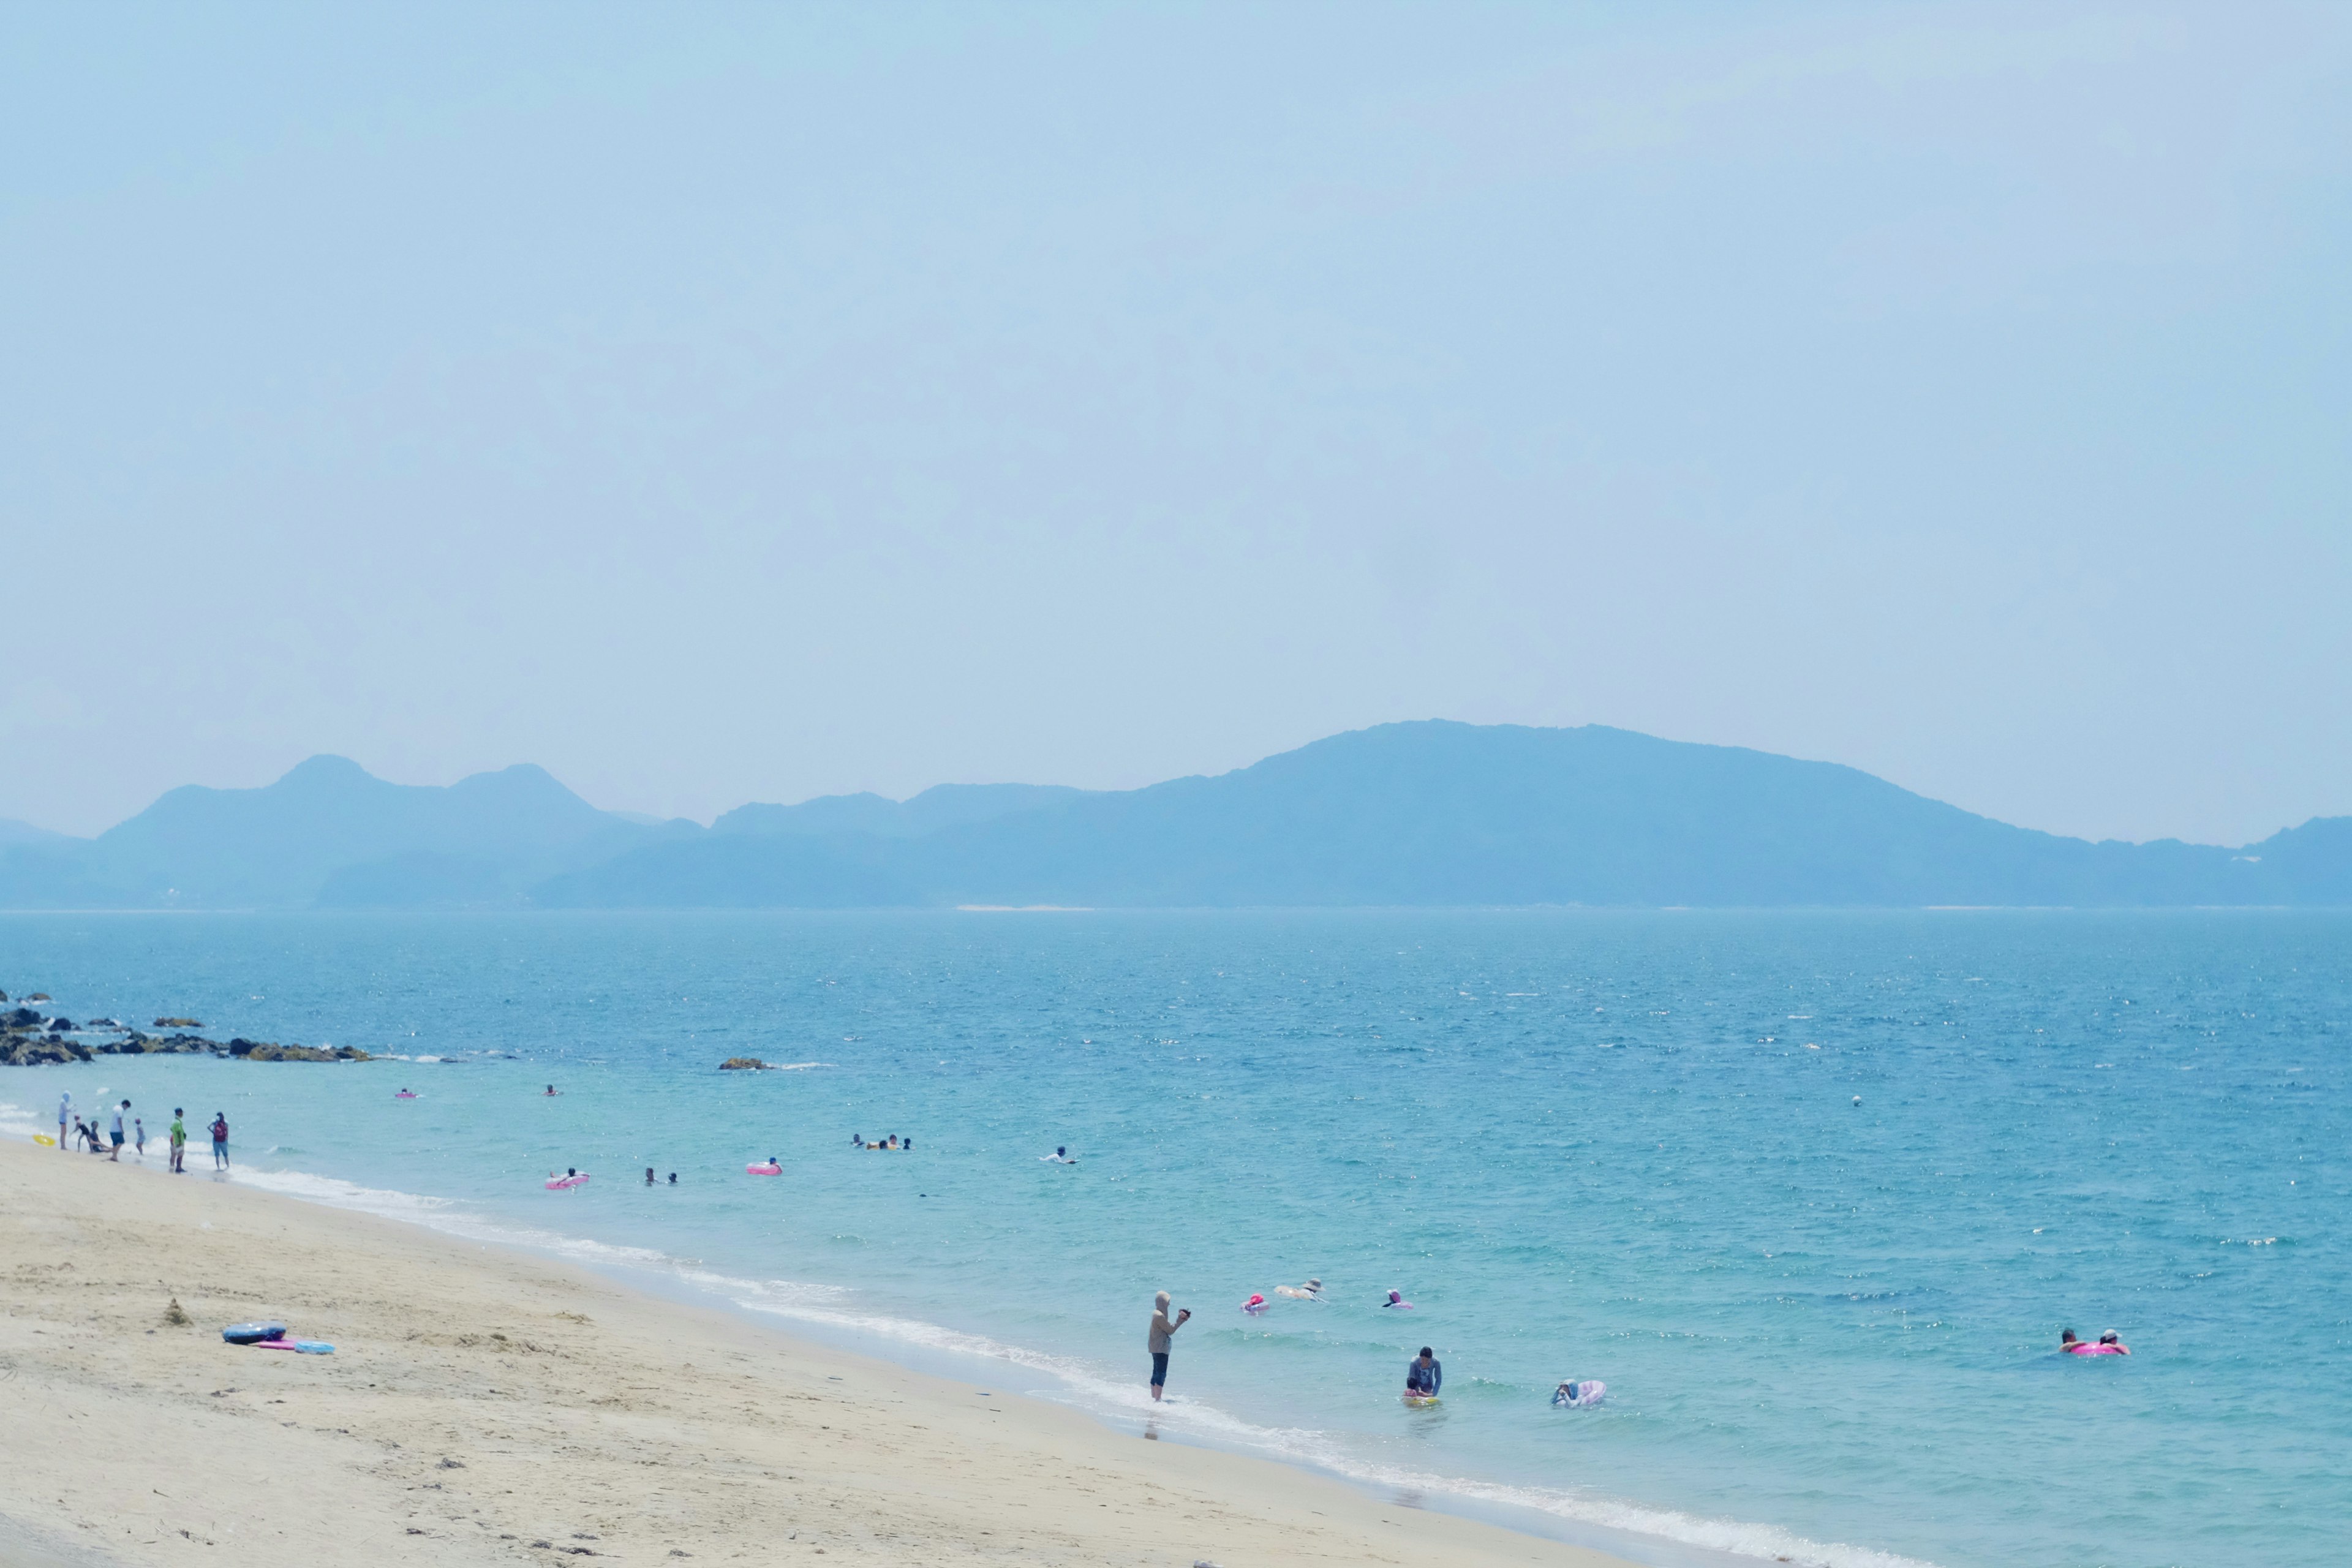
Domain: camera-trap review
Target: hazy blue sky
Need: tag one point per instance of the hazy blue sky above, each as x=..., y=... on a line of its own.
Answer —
x=720, y=404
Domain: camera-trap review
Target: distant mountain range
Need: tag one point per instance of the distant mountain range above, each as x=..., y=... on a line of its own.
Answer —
x=1419, y=814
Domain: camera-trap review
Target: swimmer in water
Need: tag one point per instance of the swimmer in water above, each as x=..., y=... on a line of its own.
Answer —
x=1396, y=1299
x=672, y=1178
x=1311, y=1291
x=1424, y=1375
x=649, y=1176
x=2115, y=1346
x=1060, y=1156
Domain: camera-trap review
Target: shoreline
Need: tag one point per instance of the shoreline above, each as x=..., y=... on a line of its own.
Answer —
x=485, y=1403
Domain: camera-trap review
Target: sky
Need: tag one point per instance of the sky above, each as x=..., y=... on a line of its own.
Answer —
x=715, y=404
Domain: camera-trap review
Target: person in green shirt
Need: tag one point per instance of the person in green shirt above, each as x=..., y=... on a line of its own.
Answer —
x=179, y=1139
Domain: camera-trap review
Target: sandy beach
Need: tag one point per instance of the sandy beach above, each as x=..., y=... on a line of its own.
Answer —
x=491, y=1406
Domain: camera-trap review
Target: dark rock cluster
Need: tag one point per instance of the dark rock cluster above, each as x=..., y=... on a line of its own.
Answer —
x=29, y=1039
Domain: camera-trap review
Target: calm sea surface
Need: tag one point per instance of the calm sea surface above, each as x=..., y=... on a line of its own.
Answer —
x=1813, y=1193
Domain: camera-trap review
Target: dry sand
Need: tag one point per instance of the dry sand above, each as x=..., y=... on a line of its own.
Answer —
x=488, y=1407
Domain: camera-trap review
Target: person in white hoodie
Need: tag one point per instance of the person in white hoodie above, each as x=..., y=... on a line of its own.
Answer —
x=65, y=1116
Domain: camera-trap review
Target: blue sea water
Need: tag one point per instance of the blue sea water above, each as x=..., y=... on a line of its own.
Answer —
x=1813, y=1193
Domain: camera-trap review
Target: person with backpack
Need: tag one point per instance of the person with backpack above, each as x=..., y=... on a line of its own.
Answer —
x=220, y=1141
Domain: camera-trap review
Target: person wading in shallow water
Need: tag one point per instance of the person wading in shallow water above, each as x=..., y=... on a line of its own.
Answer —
x=1162, y=1328
x=220, y=1141
x=179, y=1141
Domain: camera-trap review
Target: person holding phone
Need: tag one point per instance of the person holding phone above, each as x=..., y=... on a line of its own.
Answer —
x=1163, y=1329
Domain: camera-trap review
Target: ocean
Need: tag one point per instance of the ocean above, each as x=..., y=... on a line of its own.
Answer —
x=1813, y=1193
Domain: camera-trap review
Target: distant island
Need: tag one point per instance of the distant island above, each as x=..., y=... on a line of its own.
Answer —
x=1430, y=813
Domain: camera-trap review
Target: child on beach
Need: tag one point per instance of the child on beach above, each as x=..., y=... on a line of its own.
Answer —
x=139, y=1135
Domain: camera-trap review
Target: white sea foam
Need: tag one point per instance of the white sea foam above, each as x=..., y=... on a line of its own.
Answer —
x=446, y=1215
x=1087, y=1385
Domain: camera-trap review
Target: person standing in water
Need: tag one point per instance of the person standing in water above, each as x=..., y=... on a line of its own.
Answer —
x=114, y=1134
x=65, y=1115
x=220, y=1140
x=139, y=1135
x=179, y=1141
x=1163, y=1329
x=1424, y=1375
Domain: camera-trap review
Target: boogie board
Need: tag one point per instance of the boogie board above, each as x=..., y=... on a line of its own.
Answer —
x=306, y=1347
x=45, y=1141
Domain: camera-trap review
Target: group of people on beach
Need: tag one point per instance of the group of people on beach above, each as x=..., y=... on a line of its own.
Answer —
x=86, y=1136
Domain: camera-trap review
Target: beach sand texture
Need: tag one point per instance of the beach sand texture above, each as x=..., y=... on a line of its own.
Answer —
x=489, y=1407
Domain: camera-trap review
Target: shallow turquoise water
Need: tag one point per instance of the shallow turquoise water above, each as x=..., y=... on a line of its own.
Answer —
x=1584, y=1145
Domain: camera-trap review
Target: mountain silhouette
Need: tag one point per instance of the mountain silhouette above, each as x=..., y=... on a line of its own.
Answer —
x=1436, y=813
x=327, y=832
x=943, y=805
x=1430, y=813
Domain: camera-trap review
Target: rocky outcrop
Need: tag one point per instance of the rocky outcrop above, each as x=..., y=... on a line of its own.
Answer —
x=179, y=1023
x=39, y=1050
x=744, y=1064
x=268, y=1051
x=29, y=1039
x=135, y=1043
